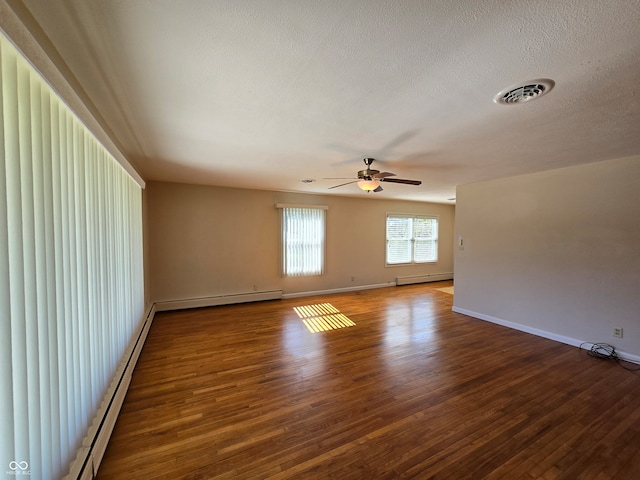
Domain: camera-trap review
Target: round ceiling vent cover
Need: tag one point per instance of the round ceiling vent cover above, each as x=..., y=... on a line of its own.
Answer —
x=525, y=92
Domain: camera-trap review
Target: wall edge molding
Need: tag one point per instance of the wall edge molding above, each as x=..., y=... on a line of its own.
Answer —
x=574, y=342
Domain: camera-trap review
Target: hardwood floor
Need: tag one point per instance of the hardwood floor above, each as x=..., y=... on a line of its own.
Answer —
x=413, y=390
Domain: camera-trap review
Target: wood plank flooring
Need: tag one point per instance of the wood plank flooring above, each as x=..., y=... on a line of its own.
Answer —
x=413, y=390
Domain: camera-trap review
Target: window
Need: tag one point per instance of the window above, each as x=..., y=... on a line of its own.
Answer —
x=302, y=240
x=411, y=239
x=71, y=274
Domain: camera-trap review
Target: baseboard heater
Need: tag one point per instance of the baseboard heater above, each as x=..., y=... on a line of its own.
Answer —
x=218, y=300
x=431, y=277
x=94, y=445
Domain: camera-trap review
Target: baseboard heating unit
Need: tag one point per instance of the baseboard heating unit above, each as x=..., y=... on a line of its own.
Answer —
x=431, y=277
x=217, y=300
x=94, y=445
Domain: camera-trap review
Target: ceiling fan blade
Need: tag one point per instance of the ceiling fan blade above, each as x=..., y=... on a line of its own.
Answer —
x=342, y=184
x=379, y=189
x=401, y=180
x=340, y=178
x=383, y=175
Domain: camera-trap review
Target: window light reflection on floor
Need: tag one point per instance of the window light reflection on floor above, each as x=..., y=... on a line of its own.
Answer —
x=322, y=317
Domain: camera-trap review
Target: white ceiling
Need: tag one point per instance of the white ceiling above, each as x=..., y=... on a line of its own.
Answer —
x=263, y=93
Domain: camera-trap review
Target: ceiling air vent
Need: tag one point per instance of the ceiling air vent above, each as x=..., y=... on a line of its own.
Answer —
x=524, y=93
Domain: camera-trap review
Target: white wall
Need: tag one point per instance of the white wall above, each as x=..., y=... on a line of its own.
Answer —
x=555, y=253
x=208, y=241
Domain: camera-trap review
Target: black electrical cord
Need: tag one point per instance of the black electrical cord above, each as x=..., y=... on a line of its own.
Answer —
x=607, y=352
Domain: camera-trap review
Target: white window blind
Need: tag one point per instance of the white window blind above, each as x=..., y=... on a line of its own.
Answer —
x=399, y=240
x=303, y=238
x=411, y=239
x=71, y=279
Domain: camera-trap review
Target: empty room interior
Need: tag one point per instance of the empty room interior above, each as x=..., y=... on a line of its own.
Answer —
x=307, y=240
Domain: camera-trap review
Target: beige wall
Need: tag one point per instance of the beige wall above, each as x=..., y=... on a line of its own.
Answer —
x=555, y=253
x=208, y=241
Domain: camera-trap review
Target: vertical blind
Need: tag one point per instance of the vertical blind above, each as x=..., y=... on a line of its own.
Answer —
x=71, y=280
x=303, y=232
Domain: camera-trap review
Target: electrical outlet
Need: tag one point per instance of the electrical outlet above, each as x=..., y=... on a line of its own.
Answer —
x=617, y=332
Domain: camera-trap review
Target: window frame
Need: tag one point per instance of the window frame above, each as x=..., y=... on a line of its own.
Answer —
x=412, y=239
x=283, y=262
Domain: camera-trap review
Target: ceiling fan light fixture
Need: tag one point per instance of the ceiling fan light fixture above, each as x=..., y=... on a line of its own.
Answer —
x=368, y=185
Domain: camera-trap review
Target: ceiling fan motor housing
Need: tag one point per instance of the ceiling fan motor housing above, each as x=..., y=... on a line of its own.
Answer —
x=367, y=174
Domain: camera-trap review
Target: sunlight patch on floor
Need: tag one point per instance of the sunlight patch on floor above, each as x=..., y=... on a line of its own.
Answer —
x=322, y=317
x=446, y=290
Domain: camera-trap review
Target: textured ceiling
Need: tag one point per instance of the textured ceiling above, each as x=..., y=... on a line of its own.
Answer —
x=261, y=94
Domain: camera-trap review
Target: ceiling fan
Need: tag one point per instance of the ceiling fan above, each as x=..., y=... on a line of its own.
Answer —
x=369, y=179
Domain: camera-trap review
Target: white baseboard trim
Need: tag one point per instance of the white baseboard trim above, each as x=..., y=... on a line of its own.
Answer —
x=338, y=290
x=431, y=277
x=540, y=333
x=217, y=300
